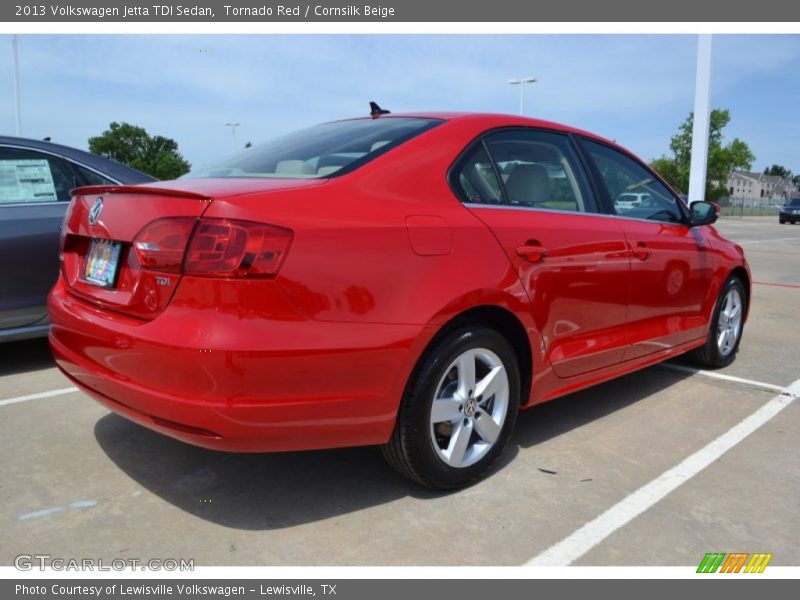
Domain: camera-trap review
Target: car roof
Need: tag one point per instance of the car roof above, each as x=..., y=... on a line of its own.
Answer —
x=491, y=120
x=108, y=167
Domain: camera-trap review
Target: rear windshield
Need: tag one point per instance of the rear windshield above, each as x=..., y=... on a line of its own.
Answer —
x=324, y=150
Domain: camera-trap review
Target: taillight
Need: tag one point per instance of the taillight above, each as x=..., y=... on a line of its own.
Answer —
x=160, y=246
x=230, y=248
x=212, y=247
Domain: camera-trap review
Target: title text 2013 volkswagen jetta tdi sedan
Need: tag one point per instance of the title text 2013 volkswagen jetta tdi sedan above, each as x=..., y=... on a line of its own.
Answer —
x=409, y=281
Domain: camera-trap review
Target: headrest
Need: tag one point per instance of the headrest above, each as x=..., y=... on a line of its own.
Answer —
x=528, y=184
x=294, y=167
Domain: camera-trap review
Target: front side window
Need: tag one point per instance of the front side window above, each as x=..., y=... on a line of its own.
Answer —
x=634, y=190
x=28, y=177
x=324, y=150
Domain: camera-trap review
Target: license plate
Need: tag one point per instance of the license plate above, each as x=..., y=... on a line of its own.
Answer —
x=102, y=263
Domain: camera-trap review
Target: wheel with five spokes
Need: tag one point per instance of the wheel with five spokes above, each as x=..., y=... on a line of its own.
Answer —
x=725, y=330
x=458, y=410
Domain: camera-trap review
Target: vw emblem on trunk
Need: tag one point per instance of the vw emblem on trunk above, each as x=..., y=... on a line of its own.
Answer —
x=94, y=212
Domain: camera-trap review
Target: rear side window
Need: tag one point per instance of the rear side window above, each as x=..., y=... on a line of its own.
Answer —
x=524, y=169
x=324, y=150
x=28, y=177
x=634, y=191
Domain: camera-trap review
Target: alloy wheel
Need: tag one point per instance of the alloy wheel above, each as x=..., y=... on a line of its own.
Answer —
x=469, y=407
x=729, y=323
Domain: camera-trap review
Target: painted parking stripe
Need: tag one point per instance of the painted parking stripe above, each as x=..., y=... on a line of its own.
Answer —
x=592, y=533
x=38, y=396
x=723, y=377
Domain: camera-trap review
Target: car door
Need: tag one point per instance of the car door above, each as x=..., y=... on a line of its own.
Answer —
x=671, y=264
x=529, y=187
x=34, y=194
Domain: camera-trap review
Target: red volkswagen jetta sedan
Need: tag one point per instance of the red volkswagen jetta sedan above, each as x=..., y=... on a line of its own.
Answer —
x=410, y=281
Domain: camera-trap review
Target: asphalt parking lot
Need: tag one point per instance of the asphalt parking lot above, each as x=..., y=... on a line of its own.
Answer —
x=79, y=482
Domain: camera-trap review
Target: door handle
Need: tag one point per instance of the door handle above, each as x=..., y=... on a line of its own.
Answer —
x=641, y=251
x=532, y=252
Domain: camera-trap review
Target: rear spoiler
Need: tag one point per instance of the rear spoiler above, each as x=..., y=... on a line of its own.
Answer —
x=89, y=190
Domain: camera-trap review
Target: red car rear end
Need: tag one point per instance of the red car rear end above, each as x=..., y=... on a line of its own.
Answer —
x=208, y=348
x=363, y=295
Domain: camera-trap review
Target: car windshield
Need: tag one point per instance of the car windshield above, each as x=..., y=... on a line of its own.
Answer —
x=794, y=202
x=324, y=150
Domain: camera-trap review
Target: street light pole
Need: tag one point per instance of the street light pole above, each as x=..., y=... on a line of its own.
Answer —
x=233, y=125
x=521, y=81
x=16, y=82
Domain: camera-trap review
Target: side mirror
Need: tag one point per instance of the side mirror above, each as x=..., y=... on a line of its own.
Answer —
x=703, y=213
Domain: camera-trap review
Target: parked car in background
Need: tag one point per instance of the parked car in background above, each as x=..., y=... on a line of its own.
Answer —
x=790, y=212
x=409, y=281
x=628, y=200
x=35, y=181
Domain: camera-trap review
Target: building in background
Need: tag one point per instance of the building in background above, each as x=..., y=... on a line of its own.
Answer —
x=757, y=188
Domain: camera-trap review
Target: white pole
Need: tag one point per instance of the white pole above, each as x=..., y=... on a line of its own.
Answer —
x=700, y=128
x=16, y=81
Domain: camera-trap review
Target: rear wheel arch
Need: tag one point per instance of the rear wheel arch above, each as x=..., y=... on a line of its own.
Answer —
x=500, y=319
x=509, y=326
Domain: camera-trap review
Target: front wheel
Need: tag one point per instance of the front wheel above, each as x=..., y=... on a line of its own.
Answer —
x=725, y=330
x=458, y=411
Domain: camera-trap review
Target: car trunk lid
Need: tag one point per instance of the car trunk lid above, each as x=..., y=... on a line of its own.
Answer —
x=123, y=247
x=99, y=261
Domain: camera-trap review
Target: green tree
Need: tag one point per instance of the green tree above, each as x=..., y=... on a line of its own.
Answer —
x=778, y=170
x=722, y=158
x=133, y=146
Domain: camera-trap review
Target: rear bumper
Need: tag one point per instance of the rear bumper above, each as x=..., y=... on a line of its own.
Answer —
x=230, y=379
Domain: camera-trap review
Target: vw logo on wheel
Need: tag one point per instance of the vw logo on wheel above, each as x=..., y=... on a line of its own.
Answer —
x=94, y=212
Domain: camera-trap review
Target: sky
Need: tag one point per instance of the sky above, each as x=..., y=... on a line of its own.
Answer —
x=635, y=89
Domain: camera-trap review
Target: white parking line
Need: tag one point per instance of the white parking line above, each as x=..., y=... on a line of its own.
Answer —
x=38, y=396
x=721, y=376
x=592, y=533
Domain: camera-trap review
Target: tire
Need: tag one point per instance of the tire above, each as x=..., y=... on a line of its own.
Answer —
x=458, y=443
x=720, y=351
x=781, y=221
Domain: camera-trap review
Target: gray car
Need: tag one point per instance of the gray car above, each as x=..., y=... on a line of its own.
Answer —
x=35, y=180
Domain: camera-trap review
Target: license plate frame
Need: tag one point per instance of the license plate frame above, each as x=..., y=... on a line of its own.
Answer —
x=101, y=266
